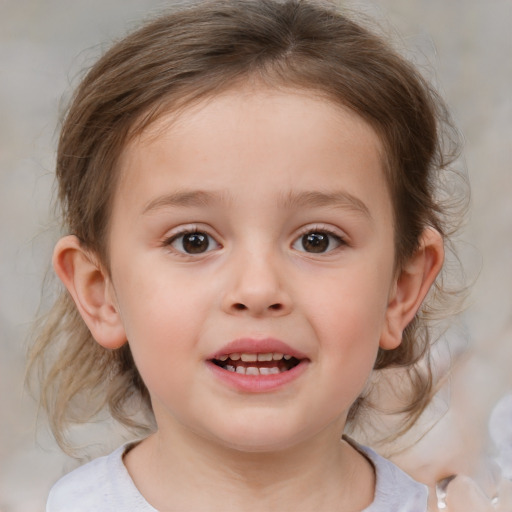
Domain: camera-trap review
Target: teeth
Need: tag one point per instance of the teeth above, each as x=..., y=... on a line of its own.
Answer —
x=269, y=371
x=252, y=370
x=251, y=358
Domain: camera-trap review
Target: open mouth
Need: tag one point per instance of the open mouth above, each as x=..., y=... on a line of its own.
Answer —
x=256, y=364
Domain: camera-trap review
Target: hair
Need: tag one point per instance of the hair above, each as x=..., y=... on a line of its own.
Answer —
x=197, y=52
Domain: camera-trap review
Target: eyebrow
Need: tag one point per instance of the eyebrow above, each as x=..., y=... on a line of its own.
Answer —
x=336, y=199
x=184, y=198
x=311, y=199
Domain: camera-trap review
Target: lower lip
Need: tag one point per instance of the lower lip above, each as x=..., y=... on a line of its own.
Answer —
x=257, y=383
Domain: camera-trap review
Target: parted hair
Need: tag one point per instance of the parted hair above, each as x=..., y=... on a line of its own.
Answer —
x=193, y=53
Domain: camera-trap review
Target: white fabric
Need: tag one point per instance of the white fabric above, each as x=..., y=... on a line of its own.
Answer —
x=104, y=485
x=395, y=491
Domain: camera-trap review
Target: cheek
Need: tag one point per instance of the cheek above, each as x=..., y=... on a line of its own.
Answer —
x=353, y=303
x=154, y=317
x=154, y=300
x=348, y=317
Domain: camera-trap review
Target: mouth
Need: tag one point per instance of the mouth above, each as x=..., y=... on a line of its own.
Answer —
x=258, y=365
x=269, y=363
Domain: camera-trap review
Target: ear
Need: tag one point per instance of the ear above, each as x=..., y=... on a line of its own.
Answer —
x=411, y=286
x=91, y=289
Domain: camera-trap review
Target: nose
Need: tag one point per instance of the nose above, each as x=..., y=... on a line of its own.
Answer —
x=256, y=287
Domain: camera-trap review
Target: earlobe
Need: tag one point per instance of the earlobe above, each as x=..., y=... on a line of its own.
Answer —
x=411, y=287
x=91, y=289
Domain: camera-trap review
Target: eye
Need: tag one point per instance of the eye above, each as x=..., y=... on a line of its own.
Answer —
x=192, y=242
x=317, y=242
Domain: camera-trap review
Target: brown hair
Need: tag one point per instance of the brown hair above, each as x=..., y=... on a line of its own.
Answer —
x=197, y=52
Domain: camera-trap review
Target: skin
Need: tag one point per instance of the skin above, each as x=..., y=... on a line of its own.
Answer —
x=255, y=169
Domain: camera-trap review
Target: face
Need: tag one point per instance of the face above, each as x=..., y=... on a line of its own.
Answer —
x=251, y=249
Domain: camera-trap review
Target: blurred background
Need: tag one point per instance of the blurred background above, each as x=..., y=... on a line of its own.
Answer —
x=464, y=46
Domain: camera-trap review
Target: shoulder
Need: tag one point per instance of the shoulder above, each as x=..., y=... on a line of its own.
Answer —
x=102, y=485
x=394, y=489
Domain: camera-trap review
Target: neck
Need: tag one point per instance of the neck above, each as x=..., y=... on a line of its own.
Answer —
x=325, y=473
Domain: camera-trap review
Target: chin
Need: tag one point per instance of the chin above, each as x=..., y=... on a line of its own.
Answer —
x=265, y=437
x=259, y=446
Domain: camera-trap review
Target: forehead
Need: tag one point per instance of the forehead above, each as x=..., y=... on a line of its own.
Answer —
x=255, y=134
x=256, y=102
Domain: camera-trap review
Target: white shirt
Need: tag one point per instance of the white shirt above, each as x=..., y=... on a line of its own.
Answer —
x=104, y=485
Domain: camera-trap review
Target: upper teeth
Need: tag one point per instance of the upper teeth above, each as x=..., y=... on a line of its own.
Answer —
x=250, y=358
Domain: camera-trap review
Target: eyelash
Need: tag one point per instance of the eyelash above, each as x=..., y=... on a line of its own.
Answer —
x=339, y=241
x=170, y=241
x=321, y=230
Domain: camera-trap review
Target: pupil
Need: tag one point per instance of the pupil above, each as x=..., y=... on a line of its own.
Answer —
x=315, y=242
x=195, y=243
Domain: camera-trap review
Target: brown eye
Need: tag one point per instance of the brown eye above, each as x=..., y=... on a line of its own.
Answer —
x=317, y=242
x=193, y=243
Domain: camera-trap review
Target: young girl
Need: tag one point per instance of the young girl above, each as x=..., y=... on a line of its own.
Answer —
x=251, y=195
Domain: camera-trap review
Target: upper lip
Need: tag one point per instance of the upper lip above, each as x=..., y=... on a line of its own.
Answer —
x=257, y=346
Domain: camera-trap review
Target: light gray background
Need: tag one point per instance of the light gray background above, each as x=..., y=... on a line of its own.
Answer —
x=464, y=44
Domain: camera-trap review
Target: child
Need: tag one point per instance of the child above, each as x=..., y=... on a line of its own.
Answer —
x=250, y=191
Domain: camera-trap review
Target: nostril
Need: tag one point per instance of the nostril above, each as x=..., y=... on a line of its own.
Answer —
x=242, y=307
